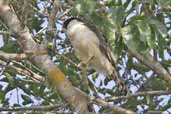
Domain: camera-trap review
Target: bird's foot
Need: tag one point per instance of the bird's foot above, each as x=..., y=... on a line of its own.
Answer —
x=84, y=64
x=122, y=87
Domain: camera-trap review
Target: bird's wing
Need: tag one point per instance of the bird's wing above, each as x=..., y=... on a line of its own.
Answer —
x=104, y=46
x=106, y=50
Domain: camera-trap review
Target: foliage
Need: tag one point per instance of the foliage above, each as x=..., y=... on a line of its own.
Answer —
x=141, y=25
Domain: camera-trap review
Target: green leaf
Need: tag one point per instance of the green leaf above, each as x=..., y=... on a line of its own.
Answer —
x=151, y=41
x=1, y=95
x=26, y=90
x=131, y=38
x=164, y=3
x=36, y=22
x=26, y=99
x=10, y=79
x=128, y=36
x=134, y=4
x=85, y=7
x=144, y=30
x=118, y=15
x=126, y=3
x=148, y=99
x=42, y=89
x=160, y=27
x=11, y=46
x=117, y=2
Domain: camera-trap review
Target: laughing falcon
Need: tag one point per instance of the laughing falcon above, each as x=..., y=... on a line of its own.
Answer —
x=88, y=42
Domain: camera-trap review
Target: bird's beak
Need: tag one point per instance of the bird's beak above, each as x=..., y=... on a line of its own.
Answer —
x=63, y=30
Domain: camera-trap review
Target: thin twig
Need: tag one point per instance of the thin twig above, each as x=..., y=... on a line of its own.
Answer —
x=67, y=59
x=145, y=93
x=5, y=33
x=23, y=70
x=52, y=15
x=114, y=108
x=12, y=56
x=26, y=71
x=154, y=112
x=3, y=67
x=35, y=77
x=34, y=108
x=64, y=13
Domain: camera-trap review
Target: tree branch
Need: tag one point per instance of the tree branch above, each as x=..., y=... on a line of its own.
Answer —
x=51, y=22
x=24, y=70
x=114, y=108
x=12, y=56
x=56, y=77
x=5, y=33
x=52, y=17
x=145, y=93
x=34, y=108
x=155, y=112
x=151, y=63
x=64, y=13
x=27, y=72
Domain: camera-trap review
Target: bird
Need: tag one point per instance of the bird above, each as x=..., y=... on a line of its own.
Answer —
x=91, y=47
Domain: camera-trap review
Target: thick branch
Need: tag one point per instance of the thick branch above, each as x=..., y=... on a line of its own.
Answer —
x=151, y=63
x=51, y=22
x=52, y=16
x=12, y=56
x=57, y=79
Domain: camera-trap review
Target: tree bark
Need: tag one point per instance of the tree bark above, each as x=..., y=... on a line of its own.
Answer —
x=57, y=79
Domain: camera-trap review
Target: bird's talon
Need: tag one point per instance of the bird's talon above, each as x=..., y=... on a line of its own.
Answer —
x=84, y=64
x=122, y=87
x=81, y=65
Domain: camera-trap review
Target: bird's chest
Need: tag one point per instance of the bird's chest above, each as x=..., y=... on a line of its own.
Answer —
x=86, y=45
x=83, y=42
x=81, y=48
x=86, y=49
